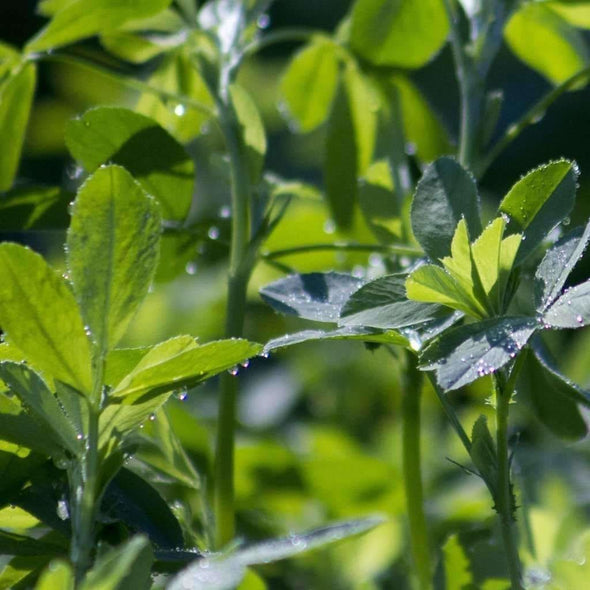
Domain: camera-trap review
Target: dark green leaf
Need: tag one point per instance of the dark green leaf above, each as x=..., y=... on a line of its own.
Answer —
x=40, y=316
x=402, y=33
x=469, y=352
x=557, y=265
x=123, y=567
x=16, y=97
x=539, y=201
x=341, y=159
x=483, y=454
x=445, y=194
x=13, y=544
x=112, y=251
x=79, y=19
x=136, y=142
x=383, y=303
x=571, y=310
x=313, y=296
x=552, y=397
x=33, y=208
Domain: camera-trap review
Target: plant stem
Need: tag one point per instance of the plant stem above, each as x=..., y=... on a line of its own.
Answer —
x=505, y=504
x=419, y=541
x=340, y=246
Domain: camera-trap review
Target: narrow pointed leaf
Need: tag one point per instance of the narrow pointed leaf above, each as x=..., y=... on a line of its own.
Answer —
x=445, y=194
x=538, y=202
x=313, y=296
x=309, y=84
x=136, y=142
x=16, y=97
x=483, y=454
x=40, y=316
x=556, y=266
x=35, y=208
x=571, y=310
x=112, y=251
x=469, y=352
x=81, y=19
x=403, y=33
x=382, y=303
x=42, y=404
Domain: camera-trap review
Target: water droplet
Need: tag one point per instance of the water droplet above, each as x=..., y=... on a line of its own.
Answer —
x=62, y=510
x=234, y=370
x=566, y=221
x=179, y=110
x=410, y=148
x=71, y=207
x=182, y=395
x=191, y=268
x=263, y=21
x=375, y=260
x=580, y=319
x=245, y=363
x=79, y=436
x=74, y=171
x=213, y=232
x=265, y=354
x=225, y=212
x=329, y=226
x=152, y=417
x=87, y=330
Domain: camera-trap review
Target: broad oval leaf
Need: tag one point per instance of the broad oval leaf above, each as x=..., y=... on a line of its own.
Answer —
x=557, y=264
x=81, y=19
x=546, y=42
x=136, y=142
x=39, y=314
x=112, y=251
x=313, y=296
x=469, y=352
x=571, y=310
x=309, y=84
x=445, y=194
x=16, y=97
x=539, y=201
x=401, y=33
x=383, y=303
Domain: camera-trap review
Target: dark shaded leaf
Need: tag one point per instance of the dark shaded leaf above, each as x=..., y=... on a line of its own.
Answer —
x=33, y=208
x=13, y=544
x=483, y=454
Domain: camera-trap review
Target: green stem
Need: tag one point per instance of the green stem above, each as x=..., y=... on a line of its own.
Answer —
x=341, y=246
x=505, y=504
x=419, y=540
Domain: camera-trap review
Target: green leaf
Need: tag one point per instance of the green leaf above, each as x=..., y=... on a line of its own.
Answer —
x=546, y=42
x=57, y=576
x=13, y=544
x=253, y=135
x=123, y=567
x=121, y=361
x=309, y=84
x=551, y=397
x=557, y=264
x=382, y=303
x=483, y=454
x=539, y=201
x=135, y=48
x=41, y=403
x=16, y=97
x=34, y=208
x=40, y=316
x=226, y=572
x=575, y=13
x=160, y=372
x=445, y=194
x=401, y=33
x=464, y=354
x=571, y=310
x=120, y=136
x=313, y=296
x=456, y=565
x=340, y=159
x=112, y=249
x=82, y=18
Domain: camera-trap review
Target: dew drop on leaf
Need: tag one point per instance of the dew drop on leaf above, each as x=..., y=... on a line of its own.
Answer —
x=191, y=268
x=213, y=232
x=233, y=371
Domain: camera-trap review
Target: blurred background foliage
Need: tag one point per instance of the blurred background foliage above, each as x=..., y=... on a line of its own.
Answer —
x=319, y=429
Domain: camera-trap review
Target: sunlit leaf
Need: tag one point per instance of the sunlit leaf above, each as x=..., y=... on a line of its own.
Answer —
x=121, y=136
x=57, y=576
x=40, y=316
x=112, y=251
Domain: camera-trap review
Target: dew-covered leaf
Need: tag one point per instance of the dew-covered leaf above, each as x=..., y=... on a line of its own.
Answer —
x=16, y=97
x=404, y=33
x=538, y=202
x=122, y=567
x=112, y=251
x=383, y=303
x=136, y=142
x=571, y=310
x=557, y=264
x=309, y=84
x=551, y=396
x=469, y=352
x=546, y=42
x=226, y=572
x=80, y=19
x=445, y=194
x=313, y=296
x=40, y=316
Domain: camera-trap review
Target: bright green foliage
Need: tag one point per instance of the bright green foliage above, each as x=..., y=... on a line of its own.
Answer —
x=546, y=42
x=139, y=144
x=57, y=576
x=400, y=33
x=16, y=97
x=84, y=18
x=112, y=251
x=40, y=316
